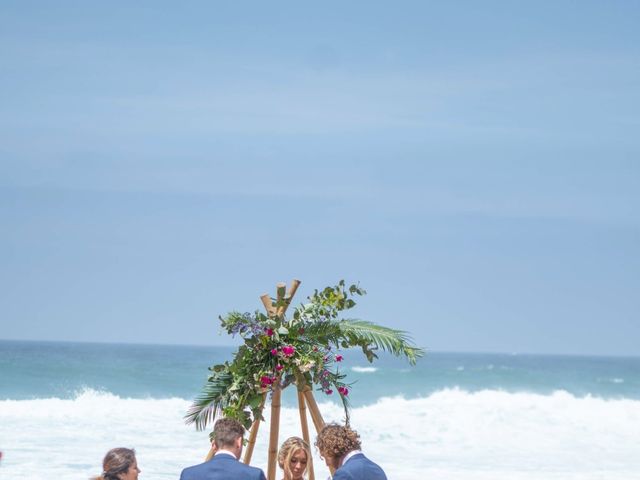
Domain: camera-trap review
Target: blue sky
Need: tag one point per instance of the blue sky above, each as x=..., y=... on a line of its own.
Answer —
x=473, y=164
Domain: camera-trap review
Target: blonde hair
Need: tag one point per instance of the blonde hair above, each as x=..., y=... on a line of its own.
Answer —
x=287, y=450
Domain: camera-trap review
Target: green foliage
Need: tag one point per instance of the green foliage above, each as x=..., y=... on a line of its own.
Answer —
x=302, y=350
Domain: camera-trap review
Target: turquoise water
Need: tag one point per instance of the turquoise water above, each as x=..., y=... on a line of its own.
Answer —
x=464, y=416
x=33, y=370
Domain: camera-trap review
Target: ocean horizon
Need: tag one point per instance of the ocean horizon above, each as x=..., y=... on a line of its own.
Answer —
x=452, y=415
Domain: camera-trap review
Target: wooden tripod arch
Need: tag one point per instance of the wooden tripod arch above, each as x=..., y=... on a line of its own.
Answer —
x=306, y=399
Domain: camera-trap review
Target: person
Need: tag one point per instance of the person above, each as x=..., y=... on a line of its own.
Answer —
x=119, y=464
x=340, y=448
x=227, y=440
x=293, y=456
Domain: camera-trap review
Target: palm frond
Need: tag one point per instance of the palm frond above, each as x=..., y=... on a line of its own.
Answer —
x=210, y=401
x=324, y=332
x=364, y=334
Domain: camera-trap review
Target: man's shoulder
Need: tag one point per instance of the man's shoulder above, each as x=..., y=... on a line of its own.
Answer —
x=231, y=464
x=248, y=471
x=360, y=467
x=247, y=467
x=222, y=464
x=192, y=471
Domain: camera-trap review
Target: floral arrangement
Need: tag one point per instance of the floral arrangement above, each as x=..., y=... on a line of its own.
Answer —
x=301, y=350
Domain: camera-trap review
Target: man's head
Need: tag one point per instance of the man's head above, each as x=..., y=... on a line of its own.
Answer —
x=335, y=441
x=228, y=434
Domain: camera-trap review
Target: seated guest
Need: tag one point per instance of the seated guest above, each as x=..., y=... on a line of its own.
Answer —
x=293, y=456
x=227, y=441
x=119, y=464
x=340, y=448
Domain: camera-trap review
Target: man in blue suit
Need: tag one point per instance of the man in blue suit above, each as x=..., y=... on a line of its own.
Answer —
x=227, y=440
x=340, y=448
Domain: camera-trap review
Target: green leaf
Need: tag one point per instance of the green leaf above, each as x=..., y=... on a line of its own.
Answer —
x=254, y=401
x=206, y=406
x=396, y=342
x=234, y=389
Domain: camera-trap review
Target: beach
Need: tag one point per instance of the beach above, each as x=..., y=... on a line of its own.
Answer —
x=454, y=416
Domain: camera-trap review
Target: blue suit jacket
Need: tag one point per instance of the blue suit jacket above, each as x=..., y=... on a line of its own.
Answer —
x=222, y=467
x=359, y=467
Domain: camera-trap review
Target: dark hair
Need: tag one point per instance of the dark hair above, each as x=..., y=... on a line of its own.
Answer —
x=226, y=431
x=116, y=462
x=336, y=441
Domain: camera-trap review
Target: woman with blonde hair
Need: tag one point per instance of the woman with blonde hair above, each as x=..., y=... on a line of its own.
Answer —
x=293, y=457
x=119, y=464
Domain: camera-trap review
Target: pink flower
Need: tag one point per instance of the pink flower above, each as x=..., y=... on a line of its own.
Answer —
x=269, y=332
x=343, y=391
x=339, y=358
x=289, y=350
x=274, y=351
x=279, y=367
x=265, y=380
x=328, y=391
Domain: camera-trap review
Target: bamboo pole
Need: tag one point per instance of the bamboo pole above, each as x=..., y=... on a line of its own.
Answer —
x=281, y=289
x=318, y=422
x=212, y=452
x=274, y=428
x=268, y=304
x=288, y=297
x=316, y=416
x=305, y=431
x=254, y=433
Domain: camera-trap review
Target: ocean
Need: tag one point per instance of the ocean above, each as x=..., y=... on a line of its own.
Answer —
x=451, y=416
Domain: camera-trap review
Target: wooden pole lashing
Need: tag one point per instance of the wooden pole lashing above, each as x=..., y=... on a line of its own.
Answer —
x=305, y=431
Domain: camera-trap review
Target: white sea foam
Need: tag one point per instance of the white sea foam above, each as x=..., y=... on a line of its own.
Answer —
x=364, y=369
x=450, y=434
x=615, y=380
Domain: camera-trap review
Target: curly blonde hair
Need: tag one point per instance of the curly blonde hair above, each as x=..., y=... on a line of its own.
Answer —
x=336, y=441
x=288, y=449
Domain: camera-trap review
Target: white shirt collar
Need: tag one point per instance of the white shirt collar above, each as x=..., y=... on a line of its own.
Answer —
x=225, y=452
x=349, y=455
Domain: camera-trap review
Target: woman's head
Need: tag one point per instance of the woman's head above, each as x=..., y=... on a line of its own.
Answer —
x=120, y=464
x=293, y=457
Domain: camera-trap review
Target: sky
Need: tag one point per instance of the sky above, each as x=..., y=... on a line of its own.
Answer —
x=473, y=165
